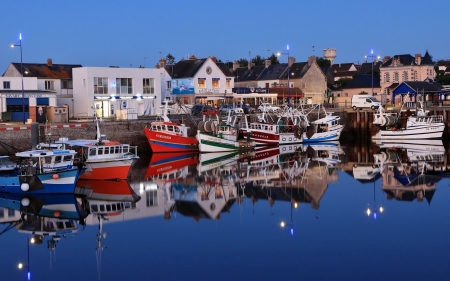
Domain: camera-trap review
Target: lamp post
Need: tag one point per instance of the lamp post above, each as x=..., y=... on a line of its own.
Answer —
x=288, y=70
x=371, y=56
x=19, y=44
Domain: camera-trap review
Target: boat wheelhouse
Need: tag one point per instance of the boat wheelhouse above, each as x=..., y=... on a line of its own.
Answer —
x=42, y=171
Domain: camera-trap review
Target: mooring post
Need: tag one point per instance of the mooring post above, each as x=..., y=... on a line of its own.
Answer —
x=34, y=135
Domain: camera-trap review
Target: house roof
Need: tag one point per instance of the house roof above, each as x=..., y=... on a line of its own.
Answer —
x=366, y=67
x=341, y=67
x=407, y=59
x=297, y=70
x=186, y=68
x=363, y=81
x=420, y=86
x=43, y=70
x=223, y=67
x=253, y=73
x=273, y=72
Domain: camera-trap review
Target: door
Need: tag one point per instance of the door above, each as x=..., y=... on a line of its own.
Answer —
x=102, y=108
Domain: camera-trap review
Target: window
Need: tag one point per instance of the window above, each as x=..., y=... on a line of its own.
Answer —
x=395, y=76
x=151, y=198
x=67, y=84
x=216, y=82
x=405, y=76
x=415, y=76
x=100, y=85
x=387, y=78
x=11, y=212
x=148, y=85
x=228, y=83
x=202, y=82
x=6, y=85
x=49, y=85
x=16, y=108
x=124, y=86
x=169, y=85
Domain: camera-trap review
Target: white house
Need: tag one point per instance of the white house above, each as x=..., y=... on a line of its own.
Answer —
x=194, y=80
x=101, y=91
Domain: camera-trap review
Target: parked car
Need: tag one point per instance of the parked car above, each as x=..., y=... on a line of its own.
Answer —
x=268, y=107
x=224, y=109
x=200, y=109
x=247, y=109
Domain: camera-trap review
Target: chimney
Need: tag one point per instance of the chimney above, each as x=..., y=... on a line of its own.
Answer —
x=386, y=58
x=250, y=64
x=418, y=59
x=311, y=60
x=291, y=61
x=214, y=59
x=268, y=63
x=235, y=65
x=49, y=62
x=162, y=63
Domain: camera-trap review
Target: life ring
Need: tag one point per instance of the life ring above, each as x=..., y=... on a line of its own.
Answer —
x=38, y=146
x=232, y=131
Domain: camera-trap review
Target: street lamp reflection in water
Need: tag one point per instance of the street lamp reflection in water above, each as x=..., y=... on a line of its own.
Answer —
x=21, y=265
x=294, y=205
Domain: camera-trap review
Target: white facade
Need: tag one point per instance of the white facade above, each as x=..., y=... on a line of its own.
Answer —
x=104, y=90
x=11, y=89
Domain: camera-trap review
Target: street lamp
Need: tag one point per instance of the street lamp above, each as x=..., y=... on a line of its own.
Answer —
x=288, y=70
x=371, y=56
x=19, y=44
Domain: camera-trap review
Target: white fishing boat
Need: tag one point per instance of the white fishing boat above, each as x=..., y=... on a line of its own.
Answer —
x=217, y=136
x=103, y=159
x=394, y=126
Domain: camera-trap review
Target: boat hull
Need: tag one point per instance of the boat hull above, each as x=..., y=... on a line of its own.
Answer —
x=271, y=138
x=208, y=143
x=46, y=183
x=108, y=170
x=429, y=131
x=164, y=142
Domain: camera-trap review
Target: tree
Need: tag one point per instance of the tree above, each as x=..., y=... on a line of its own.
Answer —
x=243, y=62
x=443, y=79
x=323, y=62
x=343, y=81
x=273, y=59
x=258, y=60
x=170, y=60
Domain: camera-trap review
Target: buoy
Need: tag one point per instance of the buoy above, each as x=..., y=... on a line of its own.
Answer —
x=25, y=202
x=56, y=214
x=55, y=176
x=24, y=186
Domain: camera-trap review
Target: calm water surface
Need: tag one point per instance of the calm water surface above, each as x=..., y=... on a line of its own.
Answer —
x=351, y=211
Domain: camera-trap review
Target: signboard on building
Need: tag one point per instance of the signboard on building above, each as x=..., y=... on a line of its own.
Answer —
x=182, y=86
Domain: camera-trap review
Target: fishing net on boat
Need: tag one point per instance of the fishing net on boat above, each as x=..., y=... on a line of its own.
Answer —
x=310, y=152
x=374, y=130
x=298, y=132
x=201, y=126
x=311, y=131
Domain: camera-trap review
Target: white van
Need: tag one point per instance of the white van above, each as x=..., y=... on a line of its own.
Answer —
x=364, y=101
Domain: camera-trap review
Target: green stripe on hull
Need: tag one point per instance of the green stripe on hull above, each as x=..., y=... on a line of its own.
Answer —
x=222, y=145
x=207, y=162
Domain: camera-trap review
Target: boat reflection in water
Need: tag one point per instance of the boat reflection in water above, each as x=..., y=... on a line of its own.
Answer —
x=108, y=199
x=298, y=173
x=410, y=171
x=53, y=215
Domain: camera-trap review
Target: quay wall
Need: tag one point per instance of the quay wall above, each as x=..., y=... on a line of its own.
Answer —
x=14, y=139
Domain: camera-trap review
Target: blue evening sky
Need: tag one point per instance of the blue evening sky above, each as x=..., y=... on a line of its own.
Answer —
x=138, y=32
